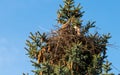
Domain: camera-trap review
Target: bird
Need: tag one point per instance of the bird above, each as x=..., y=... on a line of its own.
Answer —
x=77, y=29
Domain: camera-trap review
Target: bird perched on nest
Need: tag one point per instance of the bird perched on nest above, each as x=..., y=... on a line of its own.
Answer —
x=71, y=20
x=77, y=29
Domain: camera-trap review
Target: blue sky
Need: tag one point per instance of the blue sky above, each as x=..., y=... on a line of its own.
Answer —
x=19, y=17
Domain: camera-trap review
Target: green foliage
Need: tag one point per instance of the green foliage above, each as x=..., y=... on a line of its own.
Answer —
x=69, y=10
x=70, y=50
x=106, y=68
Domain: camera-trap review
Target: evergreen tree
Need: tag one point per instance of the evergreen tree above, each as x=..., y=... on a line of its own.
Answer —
x=106, y=68
x=69, y=50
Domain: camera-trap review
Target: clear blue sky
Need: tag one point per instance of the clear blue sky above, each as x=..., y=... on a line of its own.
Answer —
x=19, y=17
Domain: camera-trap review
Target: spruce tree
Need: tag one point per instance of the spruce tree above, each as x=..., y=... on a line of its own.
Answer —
x=70, y=49
x=107, y=68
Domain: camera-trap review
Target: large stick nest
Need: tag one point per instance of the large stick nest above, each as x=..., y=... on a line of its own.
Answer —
x=63, y=39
